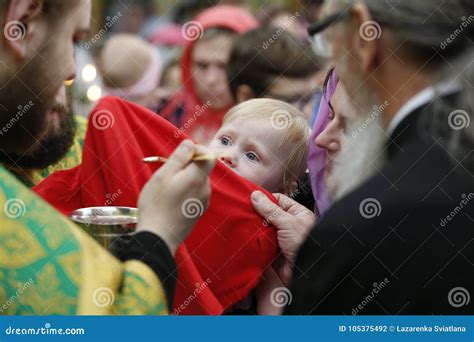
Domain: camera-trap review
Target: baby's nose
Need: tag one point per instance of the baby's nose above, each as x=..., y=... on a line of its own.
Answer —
x=228, y=160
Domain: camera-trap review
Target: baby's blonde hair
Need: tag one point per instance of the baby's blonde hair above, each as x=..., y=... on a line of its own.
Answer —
x=283, y=117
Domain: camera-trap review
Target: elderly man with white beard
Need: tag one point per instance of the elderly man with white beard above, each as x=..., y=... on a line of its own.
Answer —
x=399, y=237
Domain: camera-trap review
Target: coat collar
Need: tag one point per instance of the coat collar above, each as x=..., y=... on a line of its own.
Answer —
x=422, y=99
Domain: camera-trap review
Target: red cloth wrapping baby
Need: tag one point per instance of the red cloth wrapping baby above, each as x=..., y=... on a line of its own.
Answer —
x=223, y=258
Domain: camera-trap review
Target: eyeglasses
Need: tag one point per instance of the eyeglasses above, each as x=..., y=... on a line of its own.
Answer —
x=321, y=46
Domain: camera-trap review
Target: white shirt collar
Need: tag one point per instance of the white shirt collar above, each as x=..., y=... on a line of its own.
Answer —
x=423, y=97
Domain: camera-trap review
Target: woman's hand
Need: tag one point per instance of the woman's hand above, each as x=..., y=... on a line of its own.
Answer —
x=293, y=223
x=176, y=196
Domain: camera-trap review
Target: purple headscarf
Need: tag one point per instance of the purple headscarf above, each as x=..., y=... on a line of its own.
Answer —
x=317, y=155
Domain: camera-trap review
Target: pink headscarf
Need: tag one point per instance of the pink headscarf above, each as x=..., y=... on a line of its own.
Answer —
x=317, y=155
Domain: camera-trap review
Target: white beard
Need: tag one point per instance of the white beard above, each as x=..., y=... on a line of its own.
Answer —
x=362, y=149
x=361, y=156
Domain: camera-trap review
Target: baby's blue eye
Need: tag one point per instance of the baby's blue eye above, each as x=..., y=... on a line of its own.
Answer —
x=252, y=156
x=225, y=141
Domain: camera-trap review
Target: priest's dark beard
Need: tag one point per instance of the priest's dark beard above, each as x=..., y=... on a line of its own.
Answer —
x=50, y=149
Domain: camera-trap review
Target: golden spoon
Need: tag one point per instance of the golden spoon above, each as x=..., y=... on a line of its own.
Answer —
x=202, y=157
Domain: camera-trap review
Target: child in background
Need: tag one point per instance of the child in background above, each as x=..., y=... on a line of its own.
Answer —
x=266, y=142
x=131, y=69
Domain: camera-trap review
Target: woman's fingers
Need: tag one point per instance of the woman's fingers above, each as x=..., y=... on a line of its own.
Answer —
x=285, y=202
x=269, y=210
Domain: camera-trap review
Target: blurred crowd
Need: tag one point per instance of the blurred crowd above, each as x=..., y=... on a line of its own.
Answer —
x=147, y=52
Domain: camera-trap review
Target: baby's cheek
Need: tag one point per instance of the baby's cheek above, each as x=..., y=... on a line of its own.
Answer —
x=271, y=179
x=254, y=173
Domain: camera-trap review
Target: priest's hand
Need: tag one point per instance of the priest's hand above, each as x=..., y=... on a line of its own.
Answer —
x=176, y=196
x=293, y=223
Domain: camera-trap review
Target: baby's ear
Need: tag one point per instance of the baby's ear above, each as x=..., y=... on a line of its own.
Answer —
x=291, y=187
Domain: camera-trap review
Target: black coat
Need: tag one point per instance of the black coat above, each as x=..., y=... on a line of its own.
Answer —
x=411, y=258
